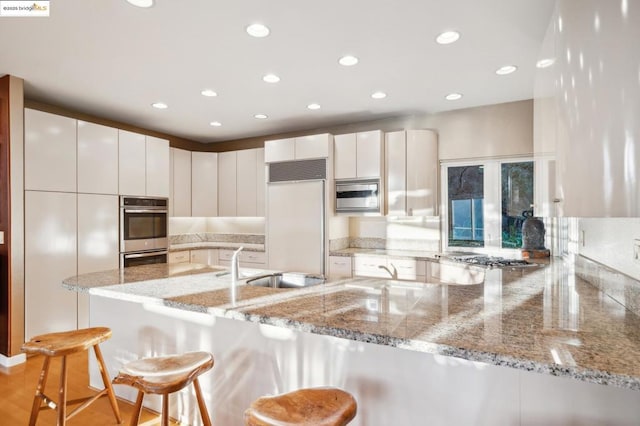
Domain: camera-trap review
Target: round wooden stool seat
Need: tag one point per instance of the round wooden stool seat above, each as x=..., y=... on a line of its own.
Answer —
x=62, y=344
x=164, y=375
x=314, y=406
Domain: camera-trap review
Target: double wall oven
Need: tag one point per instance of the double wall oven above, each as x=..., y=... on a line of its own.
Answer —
x=143, y=230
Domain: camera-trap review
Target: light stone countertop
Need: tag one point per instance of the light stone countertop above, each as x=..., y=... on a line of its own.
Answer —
x=542, y=319
x=407, y=254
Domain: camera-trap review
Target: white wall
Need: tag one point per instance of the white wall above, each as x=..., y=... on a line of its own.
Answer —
x=425, y=229
x=220, y=225
x=610, y=242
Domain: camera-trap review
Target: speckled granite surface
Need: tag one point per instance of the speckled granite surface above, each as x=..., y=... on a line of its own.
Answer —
x=536, y=319
x=205, y=240
x=407, y=254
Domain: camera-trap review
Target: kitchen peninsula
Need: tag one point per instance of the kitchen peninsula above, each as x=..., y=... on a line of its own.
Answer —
x=411, y=353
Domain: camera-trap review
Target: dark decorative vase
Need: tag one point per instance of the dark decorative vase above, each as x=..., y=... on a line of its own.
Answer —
x=532, y=232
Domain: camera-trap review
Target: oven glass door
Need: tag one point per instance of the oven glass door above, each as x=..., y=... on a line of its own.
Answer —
x=143, y=224
x=149, y=258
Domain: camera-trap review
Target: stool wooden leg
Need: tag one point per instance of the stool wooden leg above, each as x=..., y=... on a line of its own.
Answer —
x=62, y=394
x=107, y=383
x=206, y=420
x=135, y=417
x=37, y=399
x=165, y=410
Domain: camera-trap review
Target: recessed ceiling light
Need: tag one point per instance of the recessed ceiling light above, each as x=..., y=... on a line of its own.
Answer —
x=208, y=92
x=160, y=105
x=348, y=60
x=507, y=69
x=378, y=95
x=546, y=62
x=141, y=3
x=215, y=124
x=271, y=78
x=453, y=96
x=257, y=30
x=313, y=106
x=260, y=116
x=448, y=37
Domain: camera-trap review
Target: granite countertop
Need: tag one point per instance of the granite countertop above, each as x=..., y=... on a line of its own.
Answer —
x=408, y=254
x=200, y=245
x=542, y=319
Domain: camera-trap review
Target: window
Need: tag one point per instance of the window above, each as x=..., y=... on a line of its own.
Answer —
x=517, y=198
x=466, y=193
x=485, y=203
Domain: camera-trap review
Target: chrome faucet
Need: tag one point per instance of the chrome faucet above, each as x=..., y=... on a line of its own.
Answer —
x=394, y=274
x=234, y=274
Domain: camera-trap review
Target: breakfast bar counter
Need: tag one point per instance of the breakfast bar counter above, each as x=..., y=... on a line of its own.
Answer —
x=532, y=320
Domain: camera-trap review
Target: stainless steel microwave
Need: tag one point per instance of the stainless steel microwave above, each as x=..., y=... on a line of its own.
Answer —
x=358, y=196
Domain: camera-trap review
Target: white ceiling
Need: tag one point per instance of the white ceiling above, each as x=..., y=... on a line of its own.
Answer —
x=110, y=59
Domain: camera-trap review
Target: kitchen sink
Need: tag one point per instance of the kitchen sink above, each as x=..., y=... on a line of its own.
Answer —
x=286, y=280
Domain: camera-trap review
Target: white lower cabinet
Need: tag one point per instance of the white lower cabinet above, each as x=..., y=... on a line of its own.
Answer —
x=98, y=243
x=248, y=259
x=339, y=267
x=204, y=256
x=50, y=257
x=383, y=267
x=181, y=256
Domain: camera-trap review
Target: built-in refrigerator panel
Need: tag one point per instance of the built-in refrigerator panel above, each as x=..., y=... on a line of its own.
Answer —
x=296, y=226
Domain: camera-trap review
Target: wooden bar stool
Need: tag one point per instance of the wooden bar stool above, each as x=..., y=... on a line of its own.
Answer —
x=164, y=375
x=63, y=344
x=312, y=407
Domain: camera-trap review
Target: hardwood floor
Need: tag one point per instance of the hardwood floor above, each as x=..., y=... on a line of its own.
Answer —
x=18, y=384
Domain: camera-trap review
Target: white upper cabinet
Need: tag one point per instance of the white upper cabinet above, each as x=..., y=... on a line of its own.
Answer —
x=131, y=163
x=227, y=188
x=241, y=183
x=97, y=158
x=344, y=160
x=358, y=155
x=204, y=184
x=412, y=173
x=157, y=163
x=300, y=148
x=422, y=173
x=313, y=146
x=246, y=183
x=181, y=182
x=279, y=150
x=50, y=152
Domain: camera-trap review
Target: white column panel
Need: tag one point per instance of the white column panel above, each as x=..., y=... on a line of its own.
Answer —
x=396, y=170
x=131, y=163
x=227, y=184
x=204, y=184
x=261, y=183
x=181, y=182
x=49, y=152
x=97, y=158
x=246, y=183
x=157, y=172
x=50, y=257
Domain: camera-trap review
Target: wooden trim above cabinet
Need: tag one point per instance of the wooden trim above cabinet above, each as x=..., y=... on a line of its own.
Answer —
x=174, y=141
